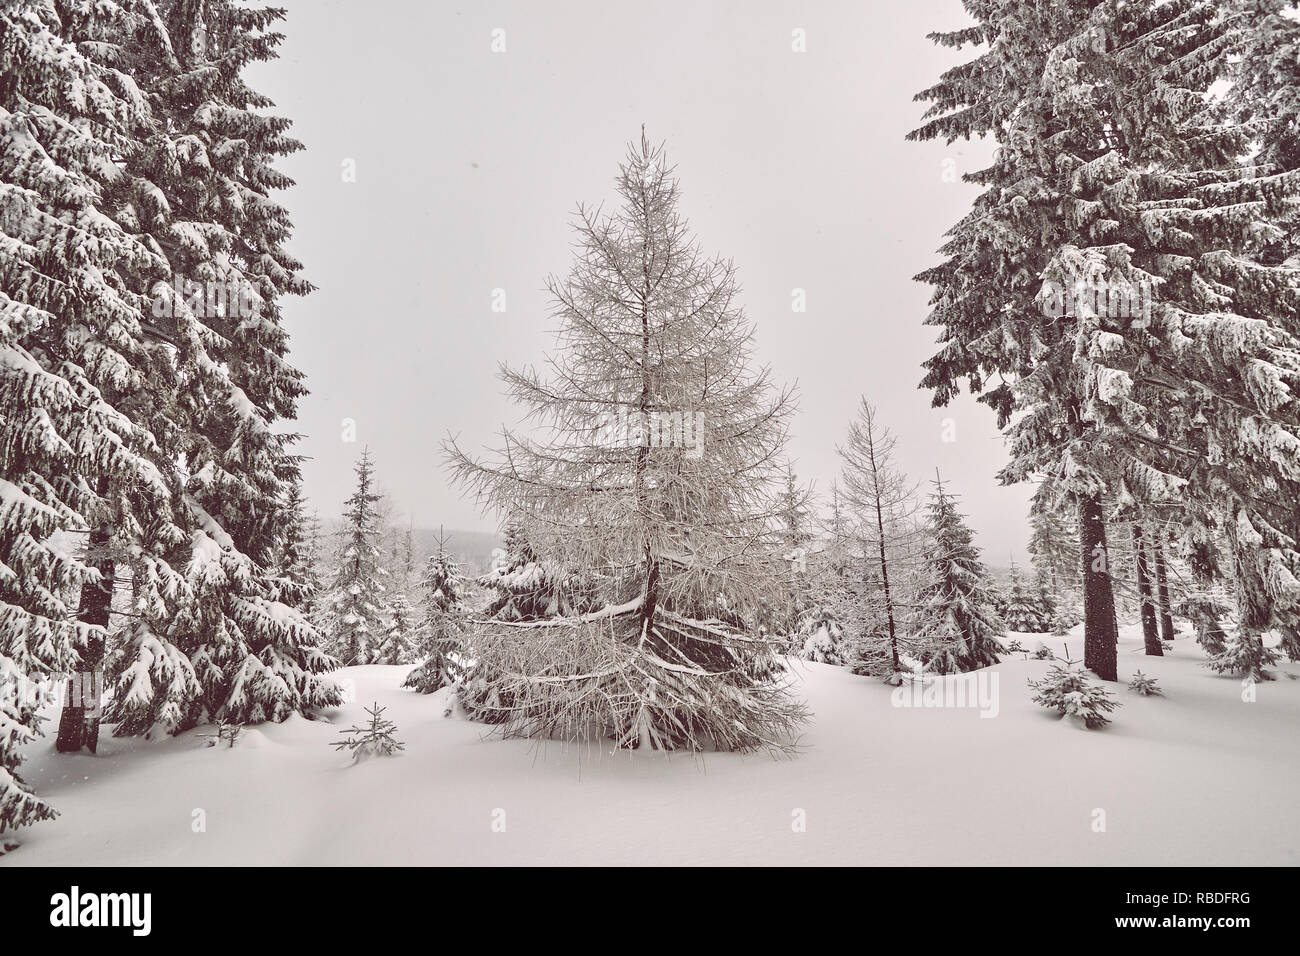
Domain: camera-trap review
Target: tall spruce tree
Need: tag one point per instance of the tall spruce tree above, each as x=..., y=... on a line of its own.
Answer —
x=1112, y=276
x=986, y=292
x=92, y=286
x=655, y=466
x=72, y=283
x=200, y=190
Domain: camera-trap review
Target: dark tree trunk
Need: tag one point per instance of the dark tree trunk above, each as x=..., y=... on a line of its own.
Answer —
x=884, y=579
x=651, y=592
x=1150, y=635
x=1100, y=633
x=79, y=719
x=1167, y=631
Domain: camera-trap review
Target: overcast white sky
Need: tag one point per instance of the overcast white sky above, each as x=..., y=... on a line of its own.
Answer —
x=469, y=165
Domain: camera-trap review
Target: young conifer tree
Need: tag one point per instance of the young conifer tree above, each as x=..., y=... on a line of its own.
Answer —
x=525, y=587
x=956, y=620
x=882, y=502
x=440, y=633
x=1022, y=612
x=396, y=644
x=354, y=605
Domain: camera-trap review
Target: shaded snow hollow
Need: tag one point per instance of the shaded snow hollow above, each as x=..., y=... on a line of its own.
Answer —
x=1195, y=777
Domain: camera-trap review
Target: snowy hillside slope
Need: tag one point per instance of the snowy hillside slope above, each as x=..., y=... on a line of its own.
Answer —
x=1195, y=777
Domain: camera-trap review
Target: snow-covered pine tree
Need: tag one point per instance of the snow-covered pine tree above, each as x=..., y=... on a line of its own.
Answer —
x=656, y=466
x=1209, y=382
x=200, y=189
x=1264, y=97
x=396, y=644
x=293, y=561
x=443, y=582
x=1071, y=692
x=883, y=503
x=956, y=623
x=986, y=292
x=525, y=587
x=822, y=635
x=440, y=635
x=1053, y=545
x=1161, y=372
x=354, y=615
x=1022, y=612
x=71, y=289
x=72, y=255
x=796, y=518
x=377, y=737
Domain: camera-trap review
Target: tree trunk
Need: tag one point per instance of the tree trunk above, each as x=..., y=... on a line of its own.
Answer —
x=1100, y=633
x=884, y=580
x=1150, y=635
x=1167, y=632
x=651, y=592
x=79, y=719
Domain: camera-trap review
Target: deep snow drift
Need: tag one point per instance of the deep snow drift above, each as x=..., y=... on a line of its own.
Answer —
x=1198, y=776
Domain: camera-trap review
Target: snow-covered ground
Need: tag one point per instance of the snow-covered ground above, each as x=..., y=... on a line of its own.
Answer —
x=1198, y=776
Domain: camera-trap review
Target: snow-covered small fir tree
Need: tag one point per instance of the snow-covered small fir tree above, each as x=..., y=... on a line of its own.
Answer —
x=525, y=587
x=397, y=645
x=956, y=621
x=354, y=618
x=1022, y=612
x=375, y=737
x=1072, y=692
x=440, y=634
x=1144, y=684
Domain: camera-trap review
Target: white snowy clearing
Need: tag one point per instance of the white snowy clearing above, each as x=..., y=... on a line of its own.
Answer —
x=1198, y=776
